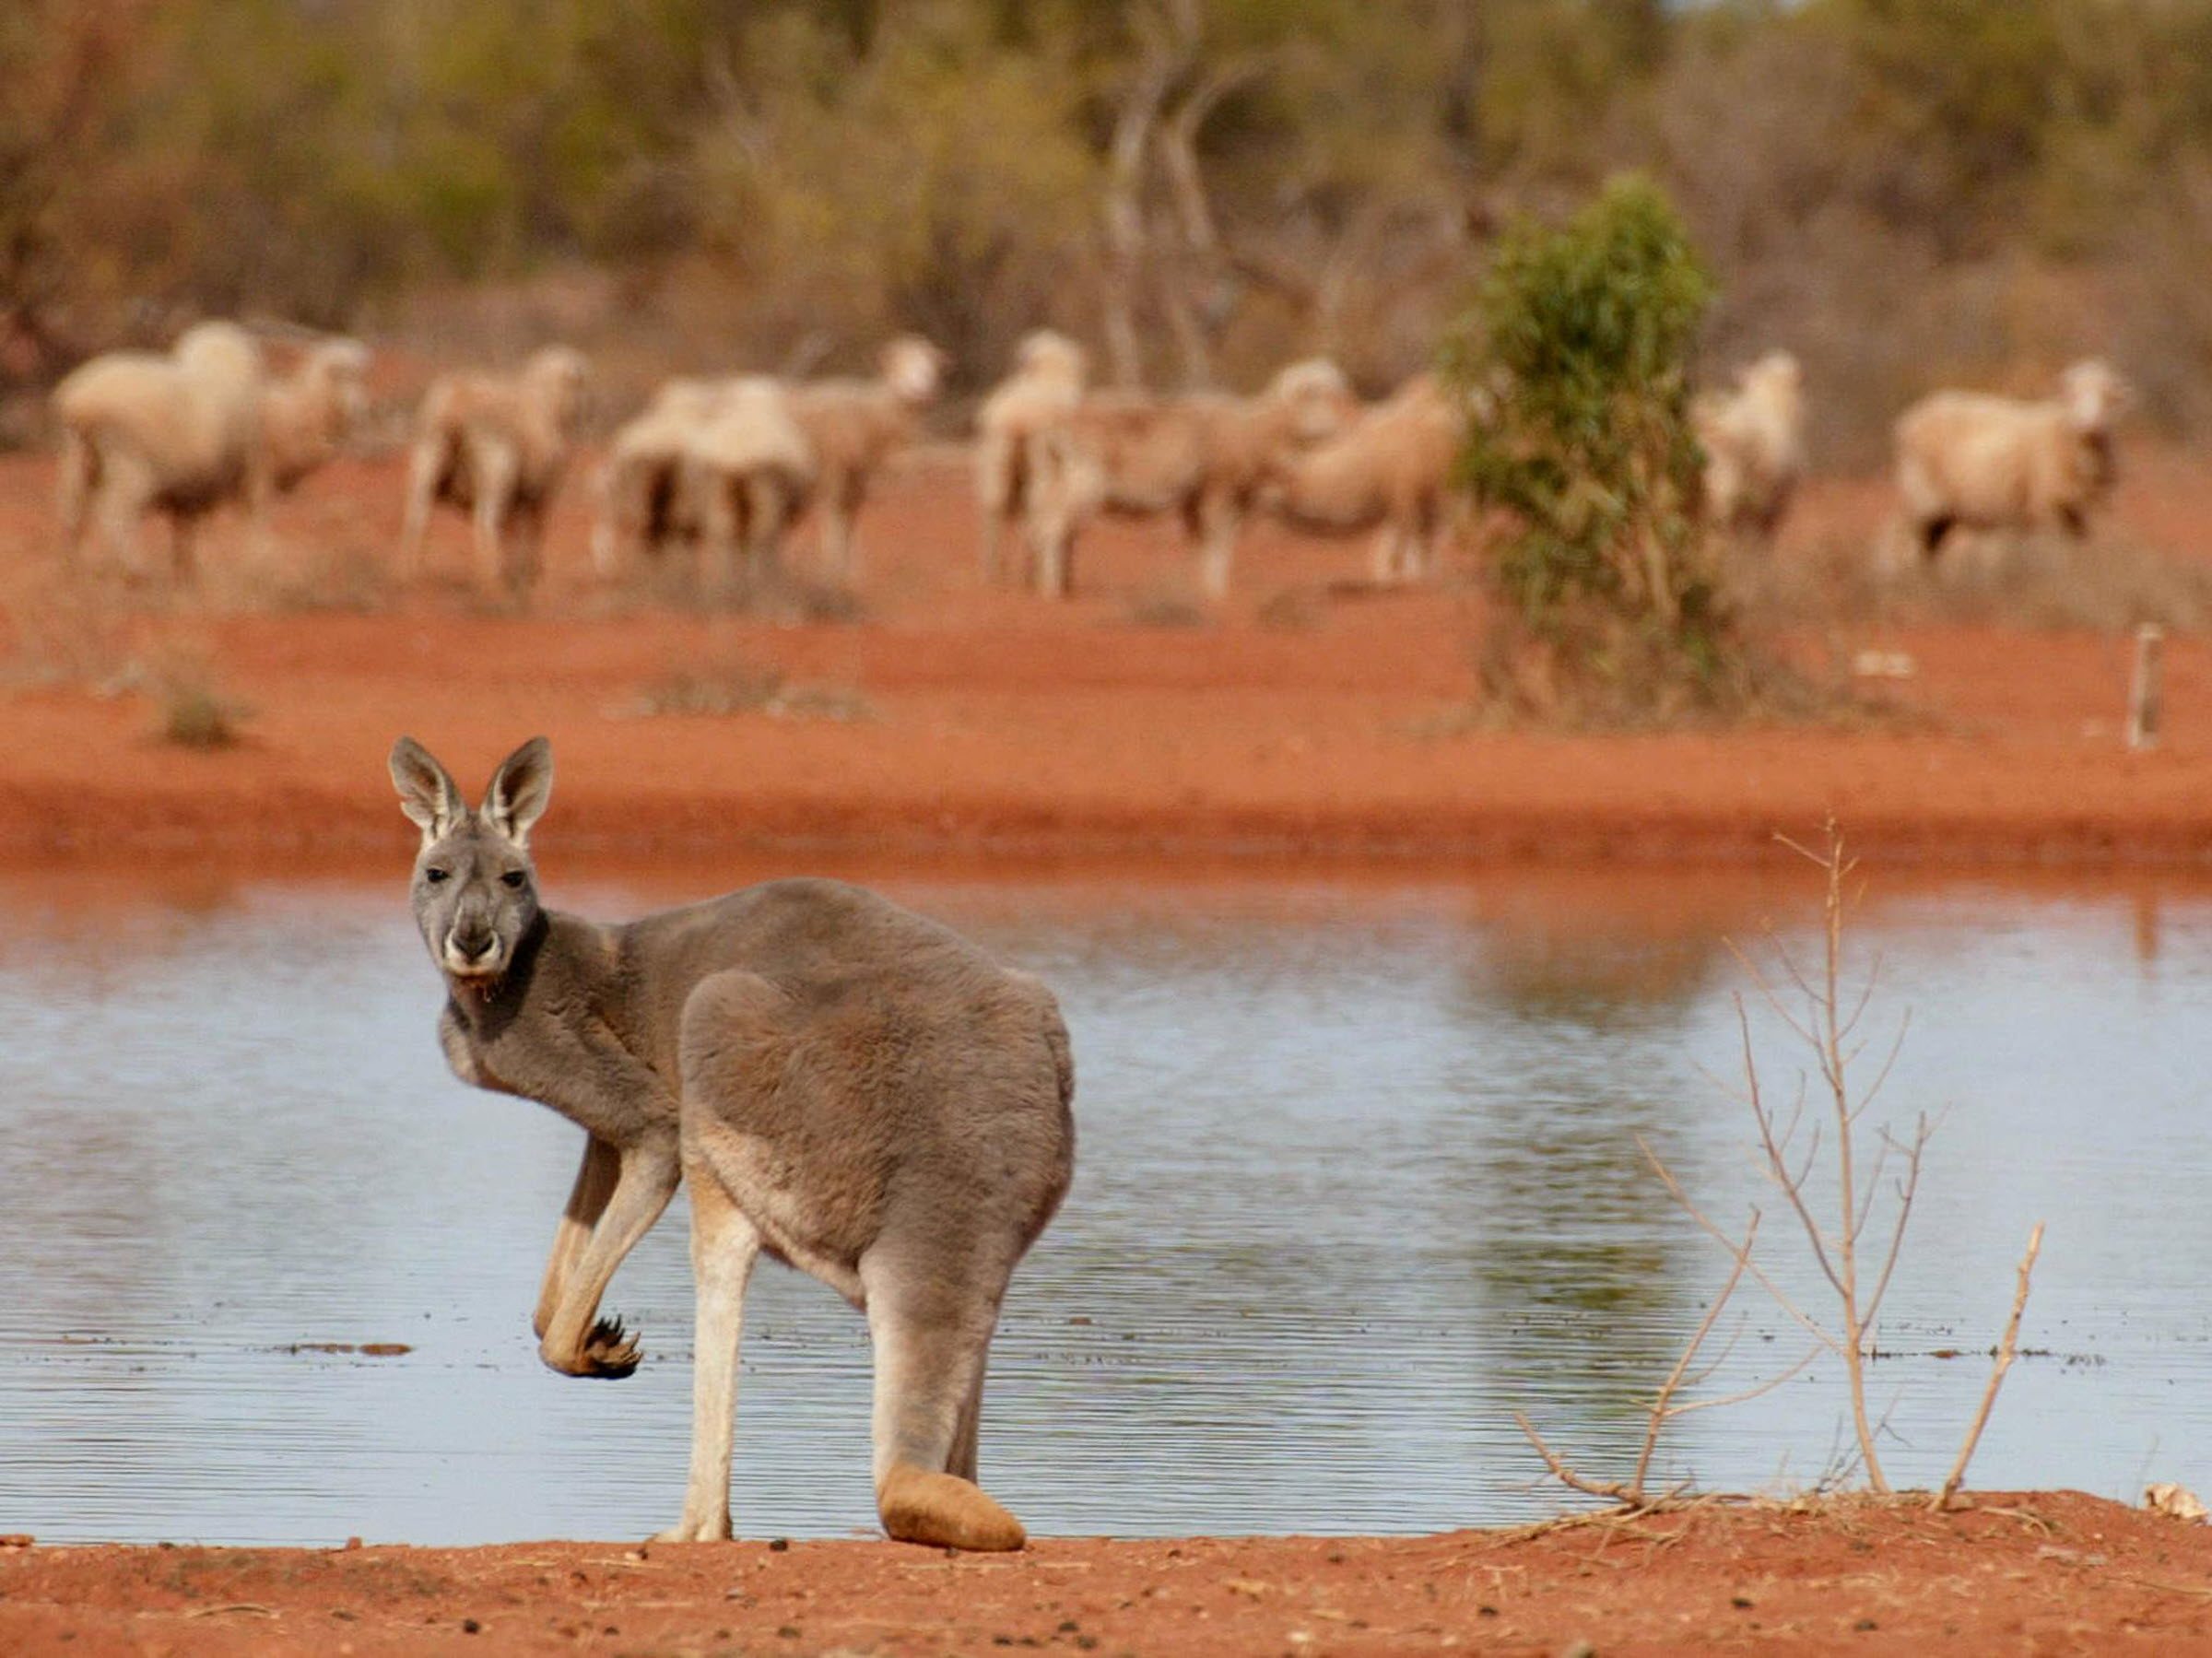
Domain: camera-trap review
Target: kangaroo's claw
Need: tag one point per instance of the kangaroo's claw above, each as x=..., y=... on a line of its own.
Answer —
x=610, y=1349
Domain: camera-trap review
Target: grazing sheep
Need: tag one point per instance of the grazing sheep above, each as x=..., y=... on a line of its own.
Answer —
x=1392, y=467
x=497, y=448
x=1202, y=456
x=309, y=415
x=177, y=434
x=748, y=472
x=1049, y=374
x=852, y=426
x=1754, y=442
x=644, y=503
x=1965, y=458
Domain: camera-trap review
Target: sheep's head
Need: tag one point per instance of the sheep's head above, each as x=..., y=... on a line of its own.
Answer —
x=913, y=368
x=1778, y=371
x=1047, y=354
x=2094, y=396
x=340, y=367
x=1319, y=397
x=558, y=378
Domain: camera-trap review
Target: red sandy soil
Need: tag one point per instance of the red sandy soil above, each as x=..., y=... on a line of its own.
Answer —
x=2040, y=1572
x=999, y=724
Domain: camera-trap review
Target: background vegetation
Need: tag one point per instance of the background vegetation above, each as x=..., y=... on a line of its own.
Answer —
x=1901, y=190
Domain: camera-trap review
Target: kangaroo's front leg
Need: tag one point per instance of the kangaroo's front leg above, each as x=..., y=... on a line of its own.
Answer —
x=724, y=1245
x=645, y=1179
x=587, y=1201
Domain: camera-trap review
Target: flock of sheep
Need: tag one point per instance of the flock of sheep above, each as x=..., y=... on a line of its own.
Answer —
x=720, y=469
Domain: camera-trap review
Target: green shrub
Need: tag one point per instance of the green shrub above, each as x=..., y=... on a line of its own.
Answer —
x=1578, y=352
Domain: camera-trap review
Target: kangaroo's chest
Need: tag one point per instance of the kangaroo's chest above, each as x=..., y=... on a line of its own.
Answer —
x=594, y=1082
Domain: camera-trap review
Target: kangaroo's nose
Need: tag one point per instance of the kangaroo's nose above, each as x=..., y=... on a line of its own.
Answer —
x=473, y=943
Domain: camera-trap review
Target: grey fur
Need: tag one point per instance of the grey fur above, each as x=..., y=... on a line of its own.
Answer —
x=856, y=1089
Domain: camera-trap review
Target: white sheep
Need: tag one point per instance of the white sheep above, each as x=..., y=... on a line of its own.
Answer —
x=1050, y=373
x=748, y=472
x=497, y=448
x=177, y=434
x=1202, y=456
x=643, y=501
x=1754, y=443
x=1391, y=468
x=1986, y=462
x=852, y=426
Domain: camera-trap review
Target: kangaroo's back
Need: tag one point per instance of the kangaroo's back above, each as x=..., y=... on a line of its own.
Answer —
x=884, y=1057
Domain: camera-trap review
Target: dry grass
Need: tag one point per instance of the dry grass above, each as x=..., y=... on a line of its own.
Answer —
x=191, y=710
x=2109, y=583
x=1164, y=610
x=736, y=687
x=672, y=580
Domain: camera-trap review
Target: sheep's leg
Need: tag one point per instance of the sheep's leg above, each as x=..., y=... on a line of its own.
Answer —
x=125, y=492
x=1932, y=532
x=495, y=482
x=999, y=493
x=767, y=512
x=423, y=466
x=183, y=559
x=724, y=1245
x=525, y=549
x=719, y=532
x=2074, y=520
x=1218, y=522
x=1051, y=541
x=260, y=489
x=1382, y=563
x=840, y=527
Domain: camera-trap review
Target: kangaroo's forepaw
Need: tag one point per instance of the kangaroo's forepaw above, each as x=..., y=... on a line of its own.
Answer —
x=611, y=1349
x=945, y=1511
x=608, y=1352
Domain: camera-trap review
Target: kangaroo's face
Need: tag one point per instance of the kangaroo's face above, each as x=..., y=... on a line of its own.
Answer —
x=475, y=896
x=475, y=891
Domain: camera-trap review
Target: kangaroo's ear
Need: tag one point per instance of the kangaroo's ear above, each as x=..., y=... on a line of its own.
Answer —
x=519, y=790
x=427, y=793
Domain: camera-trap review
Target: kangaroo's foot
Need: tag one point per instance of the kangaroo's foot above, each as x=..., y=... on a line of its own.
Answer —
x=608, y=1351
x=945, y=1511
x=687, y=1530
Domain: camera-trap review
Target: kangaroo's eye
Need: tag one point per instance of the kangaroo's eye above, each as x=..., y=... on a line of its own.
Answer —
x=435, y=874
x=513, y=877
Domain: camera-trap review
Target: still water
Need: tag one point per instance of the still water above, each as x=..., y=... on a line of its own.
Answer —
x=1357, y=1179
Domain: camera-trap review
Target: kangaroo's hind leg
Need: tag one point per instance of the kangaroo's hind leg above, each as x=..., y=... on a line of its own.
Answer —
x=724, y=1245
x=930, y=1329
x=965, y=1440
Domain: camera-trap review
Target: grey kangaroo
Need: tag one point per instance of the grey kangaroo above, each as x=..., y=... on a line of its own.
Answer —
x=858, y=1091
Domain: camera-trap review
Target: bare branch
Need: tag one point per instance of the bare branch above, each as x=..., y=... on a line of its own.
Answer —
x=2006, y=1348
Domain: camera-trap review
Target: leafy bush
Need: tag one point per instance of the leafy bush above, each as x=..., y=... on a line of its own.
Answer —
x=1579, y=352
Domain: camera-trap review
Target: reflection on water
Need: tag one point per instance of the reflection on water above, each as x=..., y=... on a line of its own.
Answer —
x=1358, y=1178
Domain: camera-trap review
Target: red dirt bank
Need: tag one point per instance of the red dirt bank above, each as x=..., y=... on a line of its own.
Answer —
x=2043, y=1572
